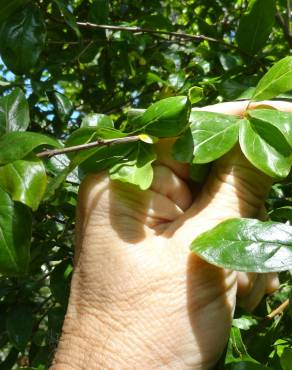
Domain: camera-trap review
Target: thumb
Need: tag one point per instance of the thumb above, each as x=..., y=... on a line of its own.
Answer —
x=235, y=188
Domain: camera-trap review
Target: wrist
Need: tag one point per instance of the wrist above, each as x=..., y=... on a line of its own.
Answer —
x=109, y=335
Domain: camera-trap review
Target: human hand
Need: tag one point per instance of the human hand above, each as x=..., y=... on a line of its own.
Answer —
x=139, y=298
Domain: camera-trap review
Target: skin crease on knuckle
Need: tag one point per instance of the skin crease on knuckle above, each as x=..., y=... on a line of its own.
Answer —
x=138, y=298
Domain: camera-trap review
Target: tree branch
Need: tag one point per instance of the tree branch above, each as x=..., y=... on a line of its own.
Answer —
x=279, y=310
x=181, y=35
x=77, y=148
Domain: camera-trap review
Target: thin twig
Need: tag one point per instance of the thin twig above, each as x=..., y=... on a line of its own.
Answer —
x=76, y=148
x=279, y=310
x=136, y=29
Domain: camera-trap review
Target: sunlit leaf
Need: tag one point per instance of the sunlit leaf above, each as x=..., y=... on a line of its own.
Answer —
x=276, y=81
x=247, y=245
x=14, y=112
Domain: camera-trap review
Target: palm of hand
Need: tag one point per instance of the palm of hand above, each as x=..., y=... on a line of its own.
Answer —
x=135, y=263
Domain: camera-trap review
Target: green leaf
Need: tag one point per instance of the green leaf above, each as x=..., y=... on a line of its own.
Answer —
x=60, y=282
x=15, y=235
x=165, y=118
x=183, y=148
x=214, y=134
x=63, y=105
x=273, y=157
x=14, y=112
x=256, y=25
x=97, y=120
x=105, y=157
x=246, y=365
x=276, y=81
x=68, y=16
x=244, y=322
x=17, y=145
x=103, y=125
x=136, y=168
x=286, y=359
x=195, y=94
x=280, y=120
x=99, y=11
x=247, y=245
x=281, y=214
x=22, y=39
x=25, y=180
x=19, y=324
x=10, y=7
x=199, y=172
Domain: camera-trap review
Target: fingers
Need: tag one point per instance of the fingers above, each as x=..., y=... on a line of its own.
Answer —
x=251, y=288
x=163, y=149
x=167, y=183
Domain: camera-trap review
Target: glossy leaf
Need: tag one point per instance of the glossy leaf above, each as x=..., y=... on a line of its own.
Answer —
x=136, y=169
x=15, y=235
x=167, y=117
x=25, y=180
x=214, y=134
x=281, y=120
x=63, y=105
x=247, y=245
x=19, y=324
x=256, y=25
x=22, y=39
x=276, y=81
x=274, y=161
x=17, y=145
x=97, y=120
x=9, y=7
x=14, y=112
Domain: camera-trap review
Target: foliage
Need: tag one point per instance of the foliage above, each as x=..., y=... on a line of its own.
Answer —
x=66, y=81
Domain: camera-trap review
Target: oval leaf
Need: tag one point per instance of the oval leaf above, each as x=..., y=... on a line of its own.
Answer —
x=17, y=145
x=25, y=180
x=214, y=134
x=276, y=81
x=22, y=39
x=256, y=25
x=281, y=120
x=247, y=245
x=261, y=154
x=136, y=169
x=14, y=112
x=167, y=117
x=15, y=235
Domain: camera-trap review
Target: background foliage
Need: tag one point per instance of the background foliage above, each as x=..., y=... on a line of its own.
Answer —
x=59, y=68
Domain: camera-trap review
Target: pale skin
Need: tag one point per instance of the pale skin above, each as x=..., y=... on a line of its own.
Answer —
x=139, y=298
